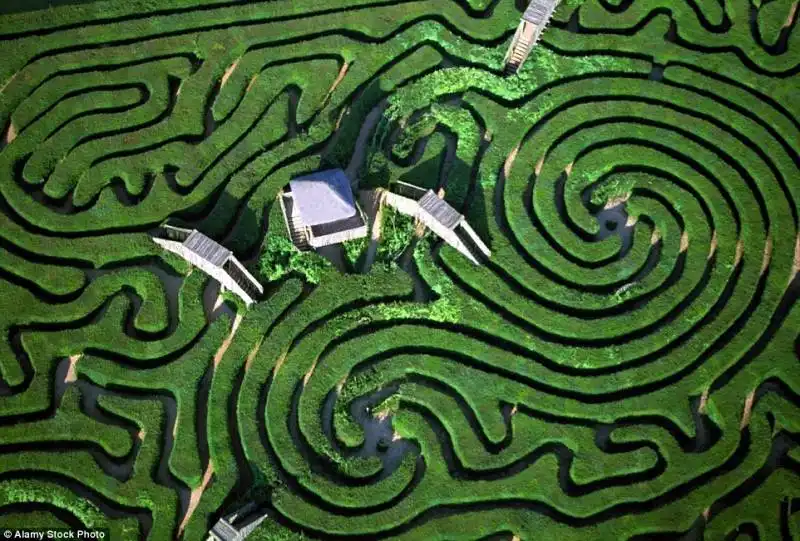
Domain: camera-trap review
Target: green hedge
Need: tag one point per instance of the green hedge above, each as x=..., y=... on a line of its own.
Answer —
x=560, y=359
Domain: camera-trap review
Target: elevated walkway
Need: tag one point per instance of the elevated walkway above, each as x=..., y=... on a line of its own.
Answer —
x=533, y=23
x=437, y=215
x=212, y=258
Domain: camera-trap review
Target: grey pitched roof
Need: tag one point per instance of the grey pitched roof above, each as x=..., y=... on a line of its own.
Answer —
x=323, y=197
x=206, y=248
x=223, y=530
x=538, y=11
x=439, y=209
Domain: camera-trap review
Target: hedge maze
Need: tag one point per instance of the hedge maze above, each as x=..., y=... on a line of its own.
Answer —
x=624, y=366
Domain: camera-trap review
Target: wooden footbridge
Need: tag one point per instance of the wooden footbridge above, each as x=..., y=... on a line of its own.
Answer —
x=533, y=23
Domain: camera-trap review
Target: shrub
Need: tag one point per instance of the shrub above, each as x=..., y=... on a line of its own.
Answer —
x=396, y=232
x=353, y=249
x=280, y=258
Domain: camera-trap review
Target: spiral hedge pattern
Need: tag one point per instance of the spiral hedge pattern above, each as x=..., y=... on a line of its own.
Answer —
x=625, y=366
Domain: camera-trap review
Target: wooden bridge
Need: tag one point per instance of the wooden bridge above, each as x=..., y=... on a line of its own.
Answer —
x=212, y=258
x=534, y=21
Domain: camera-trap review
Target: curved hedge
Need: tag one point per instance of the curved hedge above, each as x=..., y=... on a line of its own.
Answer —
x=623, y=366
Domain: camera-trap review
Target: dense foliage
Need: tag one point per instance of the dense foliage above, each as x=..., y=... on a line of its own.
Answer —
x=397, y=231
x=624, y=366
x=280, y=258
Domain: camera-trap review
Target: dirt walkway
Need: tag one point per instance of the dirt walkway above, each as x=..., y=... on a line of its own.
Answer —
x=713, y=248
x=228, y=72
x=739, y=252
x=509, y=163
x=252, y=355
x=342, y=73
x=224, y=346
x=701, y=409
x=72, y=374
x=251, y=83
x=279, y=363
x=194, y=499
x=655, y=236
x=748, y=410
x=791, y=15
x=767, y=254
x=11, y=133
x=10, y=80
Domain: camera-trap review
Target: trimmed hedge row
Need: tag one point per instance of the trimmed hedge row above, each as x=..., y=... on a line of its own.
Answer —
x=180, y=378
x=26, y=491
x=249, y=338
x=574, y=386
x=381, y=284
x=439, y=488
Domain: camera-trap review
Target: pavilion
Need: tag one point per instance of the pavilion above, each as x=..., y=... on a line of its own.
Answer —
x=319, y=210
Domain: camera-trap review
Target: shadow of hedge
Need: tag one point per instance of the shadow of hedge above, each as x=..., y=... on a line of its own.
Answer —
x=19, y=6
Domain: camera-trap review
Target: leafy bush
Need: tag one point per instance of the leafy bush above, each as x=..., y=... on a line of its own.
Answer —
x=396, y=232
x=273, y=531
x=354, y=248
x=423, y=127
x=280, y=258
x=377, y=172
